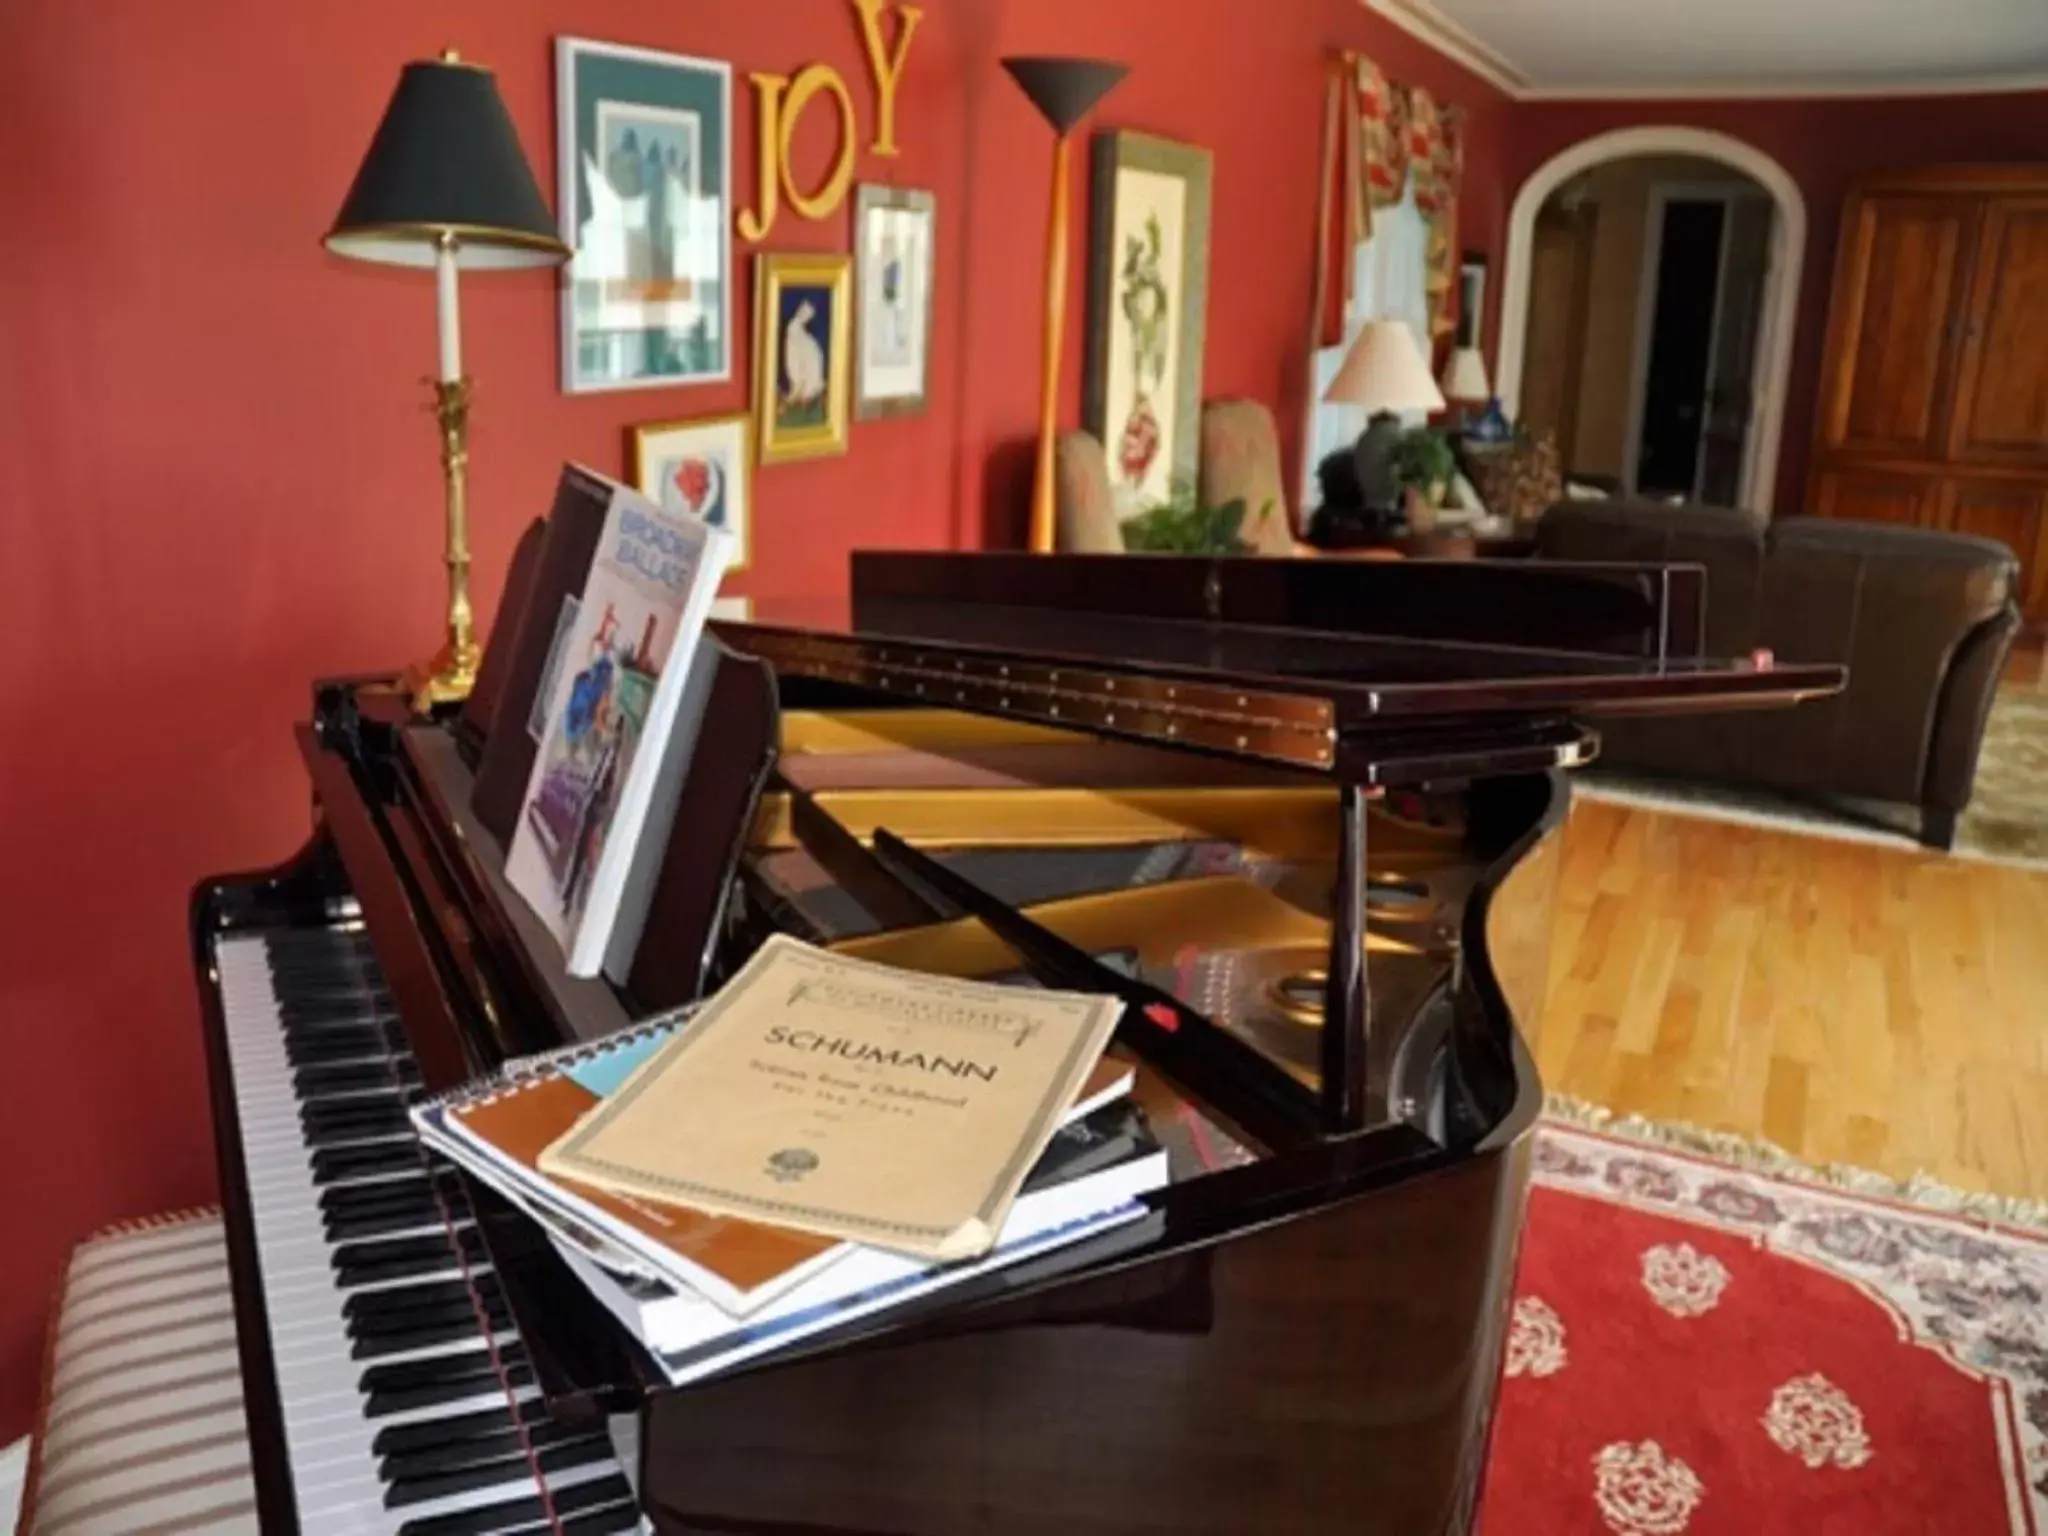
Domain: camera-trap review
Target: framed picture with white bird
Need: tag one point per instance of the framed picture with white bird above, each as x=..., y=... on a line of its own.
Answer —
x=802, y=354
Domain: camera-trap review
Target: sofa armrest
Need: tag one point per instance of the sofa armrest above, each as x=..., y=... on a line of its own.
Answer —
x=1962, y=708
x=1900, y=606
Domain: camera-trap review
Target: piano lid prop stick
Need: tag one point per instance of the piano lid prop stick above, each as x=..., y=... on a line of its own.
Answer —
x=891, y=899
x=1228, y=1074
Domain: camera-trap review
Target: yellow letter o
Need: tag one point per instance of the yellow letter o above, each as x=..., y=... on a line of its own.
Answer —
x=826, y=200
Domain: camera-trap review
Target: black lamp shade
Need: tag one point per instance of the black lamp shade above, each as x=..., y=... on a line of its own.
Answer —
x=1064, y=89
x=446, y=162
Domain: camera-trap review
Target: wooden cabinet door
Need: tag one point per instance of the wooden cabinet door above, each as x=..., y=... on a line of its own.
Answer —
x=1877, y=496
x=2001, y=395
x=1899, y=292
x=2015, y=512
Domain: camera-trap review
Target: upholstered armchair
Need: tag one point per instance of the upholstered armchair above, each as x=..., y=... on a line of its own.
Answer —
x=1086, y=520
x=1240, y=457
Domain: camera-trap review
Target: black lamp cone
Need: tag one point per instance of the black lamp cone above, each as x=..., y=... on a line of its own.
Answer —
x=446, y=161
x=1064, y=89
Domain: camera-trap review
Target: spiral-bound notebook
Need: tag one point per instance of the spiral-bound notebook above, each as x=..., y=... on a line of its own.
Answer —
x=497, y=1127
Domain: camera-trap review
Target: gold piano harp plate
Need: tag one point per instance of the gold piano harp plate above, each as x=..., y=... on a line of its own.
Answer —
x=1247, y=953
x=814, y=732
x=1284, y=823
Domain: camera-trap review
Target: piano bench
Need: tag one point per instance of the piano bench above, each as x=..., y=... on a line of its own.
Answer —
x=140, y=1426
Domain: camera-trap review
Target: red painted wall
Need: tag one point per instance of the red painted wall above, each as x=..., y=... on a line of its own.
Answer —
x=217, y=473
x=1822, y=144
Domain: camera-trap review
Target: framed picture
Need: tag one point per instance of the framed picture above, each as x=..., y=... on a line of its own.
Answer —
x=802, y=355
x=1471, y=298
x=894, y=229
x=702, y=468
x=644, y=177
x=1148, y=289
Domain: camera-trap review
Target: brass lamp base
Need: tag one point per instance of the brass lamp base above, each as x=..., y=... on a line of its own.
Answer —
x=448, y=676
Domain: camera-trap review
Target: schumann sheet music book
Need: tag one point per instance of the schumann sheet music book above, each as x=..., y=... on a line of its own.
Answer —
x=848, y=1098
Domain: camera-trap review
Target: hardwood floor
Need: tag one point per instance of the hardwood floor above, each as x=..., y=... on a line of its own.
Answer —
x=2028, y=667
x=1852, y=1003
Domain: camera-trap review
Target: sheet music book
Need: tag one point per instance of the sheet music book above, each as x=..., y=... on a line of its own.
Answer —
x=848, y=1098
x=621, y=721
x=561, y=568
x=1090, y=1178
x=497, y=1126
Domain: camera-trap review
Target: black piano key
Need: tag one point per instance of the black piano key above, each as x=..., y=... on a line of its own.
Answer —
x=404, y=1306
x=351, y=1108
x=399, y=1338
x=339, y=1135
x=329, y=937
x=395, y=1439
x=409, y=1308
x=409, y=1189
x=368, y=1038
x=306, y=1017
x=370, y=1117
x=388, y=1400
x=317, y=1079
x=312, y=1002
x=399, y=1250
x=559, y=1457
x=351, y=1042
x=599, y=1493
x=379, y=1405
x=367, y=1224
x=623, y=1516
x=453, y=1455
x=311, y=968
x=472, y=1365
x=425, y=1295
x=330, y=1163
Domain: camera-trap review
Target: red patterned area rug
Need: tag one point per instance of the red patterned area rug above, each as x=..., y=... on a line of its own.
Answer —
x=1700, y=1348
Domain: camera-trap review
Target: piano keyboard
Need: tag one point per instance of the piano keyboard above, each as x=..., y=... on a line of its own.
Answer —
x=408, y=1403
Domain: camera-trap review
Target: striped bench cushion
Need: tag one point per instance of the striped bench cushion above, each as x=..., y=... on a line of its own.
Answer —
x=141, y=1425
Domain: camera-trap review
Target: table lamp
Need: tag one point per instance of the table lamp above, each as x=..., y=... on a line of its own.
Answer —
x=445, y=185
x=1464, y=379
x=1385, y=373
x=1063, y=90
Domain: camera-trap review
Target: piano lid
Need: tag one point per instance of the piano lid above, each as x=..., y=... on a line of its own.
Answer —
x=1305, y=662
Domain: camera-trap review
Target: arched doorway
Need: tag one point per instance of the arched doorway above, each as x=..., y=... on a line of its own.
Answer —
x=1779, y=308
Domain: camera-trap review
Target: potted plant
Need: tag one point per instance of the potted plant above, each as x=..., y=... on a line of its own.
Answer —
x=1422, y=461
x=1182, y=525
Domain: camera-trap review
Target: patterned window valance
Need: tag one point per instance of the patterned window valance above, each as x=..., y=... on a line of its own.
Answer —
x=1398, y=132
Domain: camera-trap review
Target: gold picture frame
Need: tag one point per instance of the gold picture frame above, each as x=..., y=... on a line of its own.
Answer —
x=722, y=488
x=801, y=391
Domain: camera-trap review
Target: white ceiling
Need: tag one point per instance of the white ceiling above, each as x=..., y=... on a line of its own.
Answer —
x=1738, y=47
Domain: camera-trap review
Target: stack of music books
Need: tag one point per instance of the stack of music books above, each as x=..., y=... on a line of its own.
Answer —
x=823, y=1140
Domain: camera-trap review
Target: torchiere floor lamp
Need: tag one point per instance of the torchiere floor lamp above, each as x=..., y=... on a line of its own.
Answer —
x=1063, y=90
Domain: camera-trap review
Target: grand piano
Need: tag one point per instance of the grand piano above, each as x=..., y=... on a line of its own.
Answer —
x=1305, y=815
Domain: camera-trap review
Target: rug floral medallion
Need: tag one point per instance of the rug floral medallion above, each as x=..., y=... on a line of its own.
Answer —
x=1697, y=1349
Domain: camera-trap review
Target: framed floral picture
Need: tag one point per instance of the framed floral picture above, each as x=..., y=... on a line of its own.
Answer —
x=1148, y=289
x=894, y=230
x=802, y=355
x=702, y=468
x=644, y=176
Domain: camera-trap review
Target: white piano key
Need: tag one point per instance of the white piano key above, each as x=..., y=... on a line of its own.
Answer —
x=328, y=1436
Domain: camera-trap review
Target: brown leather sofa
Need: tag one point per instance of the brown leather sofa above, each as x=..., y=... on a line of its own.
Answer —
x=1923, y=620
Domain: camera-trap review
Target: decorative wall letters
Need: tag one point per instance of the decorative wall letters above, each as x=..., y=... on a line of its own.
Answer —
x=780, y=102
x=886, y=70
